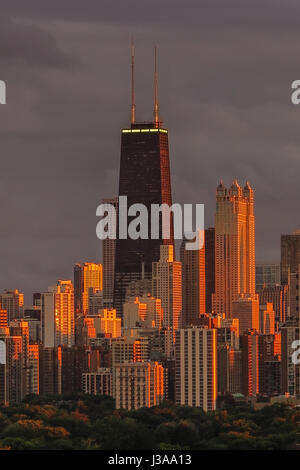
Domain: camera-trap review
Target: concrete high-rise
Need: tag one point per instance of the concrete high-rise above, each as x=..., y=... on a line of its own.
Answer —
x=110, y=323
x=193, y=284
x=234, y=246
x=108, y=260
x=250, y=363
x=87, y=281
x=167, y=286
x=290, y=254
x=209, y=240
x=12, y=301
x=267, y=275
x=138, y=385
x=279, y=296
x=246, y=309
x=58, y=317
x=196, y=367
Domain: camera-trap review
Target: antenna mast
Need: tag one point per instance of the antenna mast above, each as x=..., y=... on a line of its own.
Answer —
x=132, y=83
x=156, y=107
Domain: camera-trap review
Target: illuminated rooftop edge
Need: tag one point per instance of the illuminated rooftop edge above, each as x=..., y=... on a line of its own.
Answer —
x=133, y=131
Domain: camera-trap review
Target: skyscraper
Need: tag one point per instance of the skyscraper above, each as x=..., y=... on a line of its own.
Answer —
x=234, y=246
x=87, y=281
x=246, y=309
x=58, y=318
x=193, y=284
x=279, y=296
x=12, y=301
x=139, y=384
x=290, y=254
x=108, y=261
x=110, y=323
x=144, y=179
x=196, y=367
x=166, y=285
x=209, y=267
x=250, y=363
x=267, y=275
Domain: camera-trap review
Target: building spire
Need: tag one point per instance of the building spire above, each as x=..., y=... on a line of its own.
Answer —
x=132, y=83
x=156, y=107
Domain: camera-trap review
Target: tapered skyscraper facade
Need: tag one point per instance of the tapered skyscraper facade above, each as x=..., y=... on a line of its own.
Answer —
x=144, y=179
x=234, y=246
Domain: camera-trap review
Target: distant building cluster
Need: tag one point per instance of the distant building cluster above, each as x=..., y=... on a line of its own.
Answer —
x=144, y=326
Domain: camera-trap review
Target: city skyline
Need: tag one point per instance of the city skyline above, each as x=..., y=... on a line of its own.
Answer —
x=225, y=120
x=150, y=240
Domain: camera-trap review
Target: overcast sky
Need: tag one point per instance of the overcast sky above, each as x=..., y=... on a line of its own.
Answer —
x=225, y=74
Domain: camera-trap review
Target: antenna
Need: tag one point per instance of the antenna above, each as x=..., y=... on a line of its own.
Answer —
x=132, y=83
x=156, y=108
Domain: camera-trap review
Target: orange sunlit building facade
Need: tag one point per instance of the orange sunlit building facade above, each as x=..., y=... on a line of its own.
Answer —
x=139, y=384
x=234, y=246
x=196, y=367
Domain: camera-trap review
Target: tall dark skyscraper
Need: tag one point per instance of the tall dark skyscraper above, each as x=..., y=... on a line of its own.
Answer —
x=144, y=179
x=290, y=255
x=209, y=267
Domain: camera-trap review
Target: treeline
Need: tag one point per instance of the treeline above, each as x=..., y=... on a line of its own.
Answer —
x=83, y=422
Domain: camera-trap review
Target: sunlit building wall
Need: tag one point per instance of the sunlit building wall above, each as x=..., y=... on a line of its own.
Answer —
x=196, y=367
x=110, y=323
x=12, y=301
x=234, y=246
x=167, y=286
x=88, y=279
x=108, y=257
x=139, y=385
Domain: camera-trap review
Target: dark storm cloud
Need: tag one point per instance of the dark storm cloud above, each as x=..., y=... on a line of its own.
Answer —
x=253, y=13
x=29, y=44
x=225, y=74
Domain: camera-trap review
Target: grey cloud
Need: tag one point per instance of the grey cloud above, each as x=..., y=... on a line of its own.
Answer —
x=225, y=72
x=28, y=44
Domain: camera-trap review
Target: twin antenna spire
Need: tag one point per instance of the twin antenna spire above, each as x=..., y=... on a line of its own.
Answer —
x=156, y=106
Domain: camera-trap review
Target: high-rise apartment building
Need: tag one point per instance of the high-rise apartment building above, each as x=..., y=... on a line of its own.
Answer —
x=267, y=319
x=250, y=362
x=269, y=365
x=74, y=362
x=110, y=323
x=12, y=301
x=290, y=254
x=145, y=311
x=267, y=275
x=234, y=246
x=229, y=369
x=50, y=371
x=209, y=267
x=196, y=367
x=293, y=293
x=19, y=328
x=33, y=376
x=167, y=286
x=193, y=284
x=108, y=259
x=11, y=371
x=246, y=309
x=290, y=370
x=58, y=317
x=138, y=385
x=98, y=383
x=278, y=296
x=3, y=318
x=87, y=282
